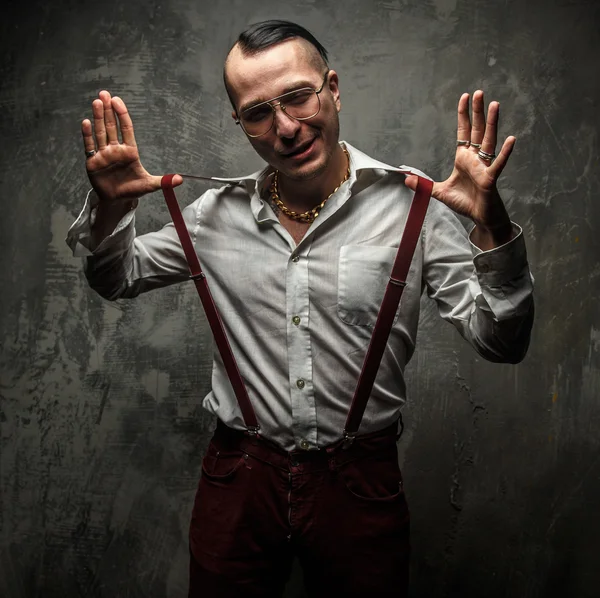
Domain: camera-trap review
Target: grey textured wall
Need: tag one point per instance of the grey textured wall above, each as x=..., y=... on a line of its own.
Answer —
x=101, y=429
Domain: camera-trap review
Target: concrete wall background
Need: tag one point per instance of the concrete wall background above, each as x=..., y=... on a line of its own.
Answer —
x=101, y=429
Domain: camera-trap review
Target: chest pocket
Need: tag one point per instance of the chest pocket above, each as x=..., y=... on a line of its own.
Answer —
x=363, y=275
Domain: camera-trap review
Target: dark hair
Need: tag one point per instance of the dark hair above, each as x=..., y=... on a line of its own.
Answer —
x=263, y=35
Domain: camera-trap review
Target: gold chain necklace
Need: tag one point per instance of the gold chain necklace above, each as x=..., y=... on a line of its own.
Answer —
x=309, y=215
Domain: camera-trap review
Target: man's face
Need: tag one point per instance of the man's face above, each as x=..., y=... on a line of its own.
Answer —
x=298, y=149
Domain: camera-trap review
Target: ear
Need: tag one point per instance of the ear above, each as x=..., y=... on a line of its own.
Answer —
x=234, y=115
x=334, y=89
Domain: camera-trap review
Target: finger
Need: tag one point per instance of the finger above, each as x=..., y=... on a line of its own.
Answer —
x=110, y=122
x=175, y=181
x=464, y=121
x=500, y=162
x=99, y=130
x=491, y=128
x=412, y=180
x=478, y=127
x=125, y=122
x=88, y=137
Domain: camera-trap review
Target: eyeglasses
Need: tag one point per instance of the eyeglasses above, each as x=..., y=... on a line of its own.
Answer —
x=300, y=104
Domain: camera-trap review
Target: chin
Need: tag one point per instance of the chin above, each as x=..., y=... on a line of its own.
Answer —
x=310, y=169
x=307, y=171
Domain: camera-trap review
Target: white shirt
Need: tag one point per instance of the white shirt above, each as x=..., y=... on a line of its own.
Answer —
x=299, y=317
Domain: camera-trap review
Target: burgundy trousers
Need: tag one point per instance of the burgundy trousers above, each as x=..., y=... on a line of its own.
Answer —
x=341, y=511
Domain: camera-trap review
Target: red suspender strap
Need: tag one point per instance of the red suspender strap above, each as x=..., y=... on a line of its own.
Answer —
x=381, y=331
x=210, y=308
x=389, y=305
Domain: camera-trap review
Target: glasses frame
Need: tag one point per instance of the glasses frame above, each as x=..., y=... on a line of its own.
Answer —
x=281, y=104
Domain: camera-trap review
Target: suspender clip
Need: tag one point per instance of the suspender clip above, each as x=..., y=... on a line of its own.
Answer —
x=348, y=440
x=253, y=430
x=198, y=276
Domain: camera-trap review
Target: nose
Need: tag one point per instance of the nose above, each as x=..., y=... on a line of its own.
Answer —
x=284, y=124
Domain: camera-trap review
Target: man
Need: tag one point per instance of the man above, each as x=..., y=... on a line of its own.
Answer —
x=297, y=256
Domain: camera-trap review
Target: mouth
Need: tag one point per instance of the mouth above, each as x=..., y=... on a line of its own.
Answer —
x=301, y=152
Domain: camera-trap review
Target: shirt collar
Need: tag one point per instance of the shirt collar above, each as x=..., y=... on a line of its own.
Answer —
x=360, y=161
x=254, y=183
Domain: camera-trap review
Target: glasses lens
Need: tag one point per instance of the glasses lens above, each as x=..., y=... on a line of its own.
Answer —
x=257, y=121
x=301, y=104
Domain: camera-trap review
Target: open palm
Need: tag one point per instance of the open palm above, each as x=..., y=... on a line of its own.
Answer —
x=114, y=169
x=471, y=188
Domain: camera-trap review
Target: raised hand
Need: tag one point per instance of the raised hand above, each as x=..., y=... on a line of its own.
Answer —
x=471, y=188
x=113, y=165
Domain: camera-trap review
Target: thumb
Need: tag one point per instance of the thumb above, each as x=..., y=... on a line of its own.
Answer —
x=411, y=181
x=175, y=181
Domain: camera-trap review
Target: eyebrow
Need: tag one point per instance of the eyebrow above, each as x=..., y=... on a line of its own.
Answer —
x=289, y=88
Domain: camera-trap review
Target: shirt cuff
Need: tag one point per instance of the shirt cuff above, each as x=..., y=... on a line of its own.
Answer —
x=79, y=236
x=501, y=264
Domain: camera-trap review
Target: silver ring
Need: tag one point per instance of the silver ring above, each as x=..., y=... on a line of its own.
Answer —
x=90, y=153
x=464, y=142
x=476, y=145
x=485, y=156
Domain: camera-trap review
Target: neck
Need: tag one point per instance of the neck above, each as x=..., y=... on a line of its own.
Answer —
x=302, y=195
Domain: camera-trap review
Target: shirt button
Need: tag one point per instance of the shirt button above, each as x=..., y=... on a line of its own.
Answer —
x=300, y=383
x=304, y=444
x=295, y=259
x=296, y=320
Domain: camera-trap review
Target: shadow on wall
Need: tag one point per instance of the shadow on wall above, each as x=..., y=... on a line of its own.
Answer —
x=550, y=528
